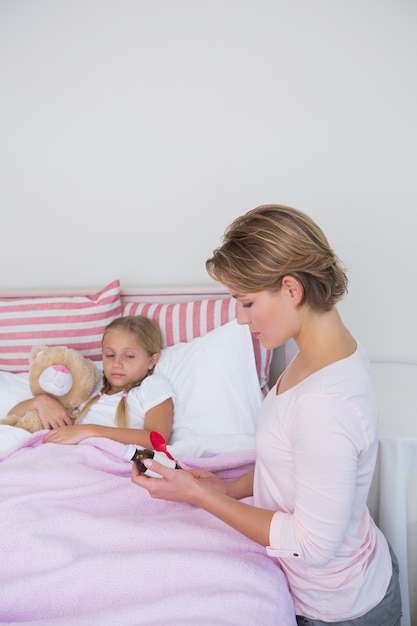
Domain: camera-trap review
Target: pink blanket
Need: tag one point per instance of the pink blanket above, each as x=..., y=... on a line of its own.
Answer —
x=81, y=544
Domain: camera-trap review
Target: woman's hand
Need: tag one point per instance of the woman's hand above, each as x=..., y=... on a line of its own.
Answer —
x=69, y=434
x=177, y=485
x=210, y=480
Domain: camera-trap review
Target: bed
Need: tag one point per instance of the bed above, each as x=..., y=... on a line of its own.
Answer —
x=80, y=543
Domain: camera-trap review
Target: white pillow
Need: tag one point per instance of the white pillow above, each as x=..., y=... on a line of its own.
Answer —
x=13, y=389
x=217, y=392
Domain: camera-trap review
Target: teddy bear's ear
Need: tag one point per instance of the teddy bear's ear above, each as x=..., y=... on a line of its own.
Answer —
x=35, y=351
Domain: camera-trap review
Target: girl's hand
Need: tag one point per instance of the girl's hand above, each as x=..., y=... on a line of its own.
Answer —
x=51, y=412
x=68, y=434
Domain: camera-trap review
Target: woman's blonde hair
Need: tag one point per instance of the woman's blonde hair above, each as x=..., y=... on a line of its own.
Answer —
x=147, y=333
x=272, y=241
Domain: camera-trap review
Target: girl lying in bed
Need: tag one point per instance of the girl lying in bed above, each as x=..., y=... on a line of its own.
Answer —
x=132, y=401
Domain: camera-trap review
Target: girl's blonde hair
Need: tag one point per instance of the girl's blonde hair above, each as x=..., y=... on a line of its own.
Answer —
x=272, y=241
x=147, y=333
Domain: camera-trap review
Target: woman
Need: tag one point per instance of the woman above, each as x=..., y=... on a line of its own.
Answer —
x=316, y=441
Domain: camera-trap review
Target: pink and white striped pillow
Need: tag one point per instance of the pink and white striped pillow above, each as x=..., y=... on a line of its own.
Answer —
x=74, y=321
x=183, y=321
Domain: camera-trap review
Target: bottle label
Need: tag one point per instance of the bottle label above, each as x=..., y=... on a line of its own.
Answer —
x=161, y=458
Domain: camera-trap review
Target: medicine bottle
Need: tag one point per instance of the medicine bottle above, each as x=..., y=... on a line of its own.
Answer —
x=138, y=455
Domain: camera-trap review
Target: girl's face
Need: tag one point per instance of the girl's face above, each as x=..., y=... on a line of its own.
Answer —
x=125, y=361
x=271, y=316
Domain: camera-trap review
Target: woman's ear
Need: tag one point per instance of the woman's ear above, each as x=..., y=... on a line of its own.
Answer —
x=293, y=288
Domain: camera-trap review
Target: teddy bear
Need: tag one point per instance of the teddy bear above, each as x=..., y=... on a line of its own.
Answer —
x=62, y=373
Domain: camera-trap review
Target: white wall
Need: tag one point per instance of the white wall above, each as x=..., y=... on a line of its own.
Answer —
x=133, y=131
